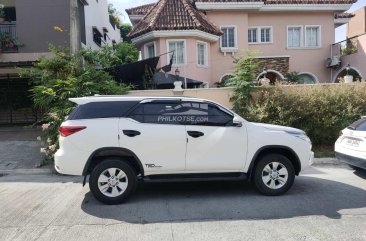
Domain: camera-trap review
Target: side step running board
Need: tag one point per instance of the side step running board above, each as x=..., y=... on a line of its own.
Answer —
x=199, y=177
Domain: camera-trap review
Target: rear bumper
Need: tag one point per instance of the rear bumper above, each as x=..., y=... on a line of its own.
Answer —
x=351, y=160
x=71, y=163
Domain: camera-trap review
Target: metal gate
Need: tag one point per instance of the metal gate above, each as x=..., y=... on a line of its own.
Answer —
x=15, y=101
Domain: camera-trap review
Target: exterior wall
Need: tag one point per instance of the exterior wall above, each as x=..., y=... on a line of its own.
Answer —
x=357, y=24
x=35, y=24
x=219, y=95
x=222, y=95
x=223, y=64
x=190, y=69
x=96, y=15
x=357, y=61
x=301, y=60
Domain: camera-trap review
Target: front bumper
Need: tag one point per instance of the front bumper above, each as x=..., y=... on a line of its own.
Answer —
x=351, y=160
x=311, y=159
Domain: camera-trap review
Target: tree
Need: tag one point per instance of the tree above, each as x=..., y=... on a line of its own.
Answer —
x=243, y=80
x=125, y=30
x=108, y=56
x=115, y=14
x=66, y=75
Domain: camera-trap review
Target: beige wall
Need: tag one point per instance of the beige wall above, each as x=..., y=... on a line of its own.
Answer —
x=357, y=24
x=219, y=95
x=224, y=64
x=301, y=60
x=190, y=69
x=356, y=60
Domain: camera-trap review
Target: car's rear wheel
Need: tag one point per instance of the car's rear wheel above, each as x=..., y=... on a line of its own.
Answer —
x=274, y=174
x=112, y=181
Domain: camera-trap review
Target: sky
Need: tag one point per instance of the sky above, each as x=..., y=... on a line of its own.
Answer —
x=121, y=5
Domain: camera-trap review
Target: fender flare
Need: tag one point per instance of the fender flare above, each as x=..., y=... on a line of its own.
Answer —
x=278, y=147
x=111, y=149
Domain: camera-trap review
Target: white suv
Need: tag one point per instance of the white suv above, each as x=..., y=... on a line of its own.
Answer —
x=120, y=140
x=351, y=144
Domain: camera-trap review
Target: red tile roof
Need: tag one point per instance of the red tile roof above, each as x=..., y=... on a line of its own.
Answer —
x=309, y=1
x=344, y=15
x=183, y=15
x=174, y=15
x=140, y=10
x=286, y=1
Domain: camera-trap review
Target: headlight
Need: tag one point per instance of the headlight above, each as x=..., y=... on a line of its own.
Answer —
x=300, y=135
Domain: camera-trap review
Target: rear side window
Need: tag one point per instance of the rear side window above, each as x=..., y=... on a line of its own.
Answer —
x=183, y=113
x=359, y=125
x=107, y=109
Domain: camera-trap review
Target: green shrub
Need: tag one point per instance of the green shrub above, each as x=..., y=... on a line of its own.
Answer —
x=321, y=111
x=64, y=76
x=242, y=80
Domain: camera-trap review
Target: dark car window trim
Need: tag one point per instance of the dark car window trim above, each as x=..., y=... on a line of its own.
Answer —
x=147, y=101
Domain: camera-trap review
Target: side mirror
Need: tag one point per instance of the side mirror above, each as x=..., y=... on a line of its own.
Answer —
x=237, y=123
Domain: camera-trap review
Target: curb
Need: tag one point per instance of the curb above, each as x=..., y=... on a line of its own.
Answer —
x=33, y=171
x=327, y=161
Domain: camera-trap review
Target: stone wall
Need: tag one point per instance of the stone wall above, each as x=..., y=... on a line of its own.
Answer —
x=279, y=64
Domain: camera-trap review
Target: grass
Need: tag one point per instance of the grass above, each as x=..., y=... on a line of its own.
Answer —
x=324, y=151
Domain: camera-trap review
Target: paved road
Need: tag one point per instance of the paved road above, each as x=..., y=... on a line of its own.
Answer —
x=326, y=203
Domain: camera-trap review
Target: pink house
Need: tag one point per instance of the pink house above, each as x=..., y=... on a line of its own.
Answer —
x=352, y=52
x=289, y=35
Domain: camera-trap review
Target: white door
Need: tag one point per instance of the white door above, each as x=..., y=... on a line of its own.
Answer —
x=159, y=144
x=214, y=144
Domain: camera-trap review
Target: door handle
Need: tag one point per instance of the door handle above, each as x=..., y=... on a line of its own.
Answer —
x=131, y=133
x=195, y=134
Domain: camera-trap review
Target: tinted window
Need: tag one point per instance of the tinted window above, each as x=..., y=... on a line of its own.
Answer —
x=359, y=125
x=184, y=113
x=108, y=109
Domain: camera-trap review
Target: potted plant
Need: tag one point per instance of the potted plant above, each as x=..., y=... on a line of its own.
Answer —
x=2, y=14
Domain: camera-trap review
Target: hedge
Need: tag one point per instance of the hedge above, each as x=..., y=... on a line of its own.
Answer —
x=320, y=110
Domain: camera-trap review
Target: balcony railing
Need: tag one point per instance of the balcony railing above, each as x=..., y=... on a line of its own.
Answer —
x=346, y=47
x=8, y=38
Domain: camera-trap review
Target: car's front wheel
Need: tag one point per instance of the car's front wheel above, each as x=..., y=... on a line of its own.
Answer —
x=112, y=181
x=274, y=174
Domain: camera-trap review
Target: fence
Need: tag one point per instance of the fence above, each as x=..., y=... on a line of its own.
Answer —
x=8, y=38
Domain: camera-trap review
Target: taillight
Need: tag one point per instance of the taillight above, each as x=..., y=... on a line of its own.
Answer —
x=69, y=130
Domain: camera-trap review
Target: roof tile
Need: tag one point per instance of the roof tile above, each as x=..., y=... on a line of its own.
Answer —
x=174, y=15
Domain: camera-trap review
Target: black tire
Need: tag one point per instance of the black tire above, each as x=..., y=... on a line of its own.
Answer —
x=262, y=163
x=102, y=167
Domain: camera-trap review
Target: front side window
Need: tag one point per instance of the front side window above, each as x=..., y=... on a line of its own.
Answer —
x=181, y=113
x=294, y=37
x=266, y=35
x=252, y=35
x=149, y=50
x=312, y=36
x=260, y=35
x=228, y=38
x=177, y=50
x=202, y=54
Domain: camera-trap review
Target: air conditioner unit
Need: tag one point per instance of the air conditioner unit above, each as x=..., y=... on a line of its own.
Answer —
x=333, y=61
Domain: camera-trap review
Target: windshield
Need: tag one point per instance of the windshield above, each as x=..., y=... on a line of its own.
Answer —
x=359, y=125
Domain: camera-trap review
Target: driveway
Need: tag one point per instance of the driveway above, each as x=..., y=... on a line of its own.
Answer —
x=19, y=148
x=325, y=203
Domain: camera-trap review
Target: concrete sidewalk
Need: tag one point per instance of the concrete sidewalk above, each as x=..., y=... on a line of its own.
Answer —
x=19, y=148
